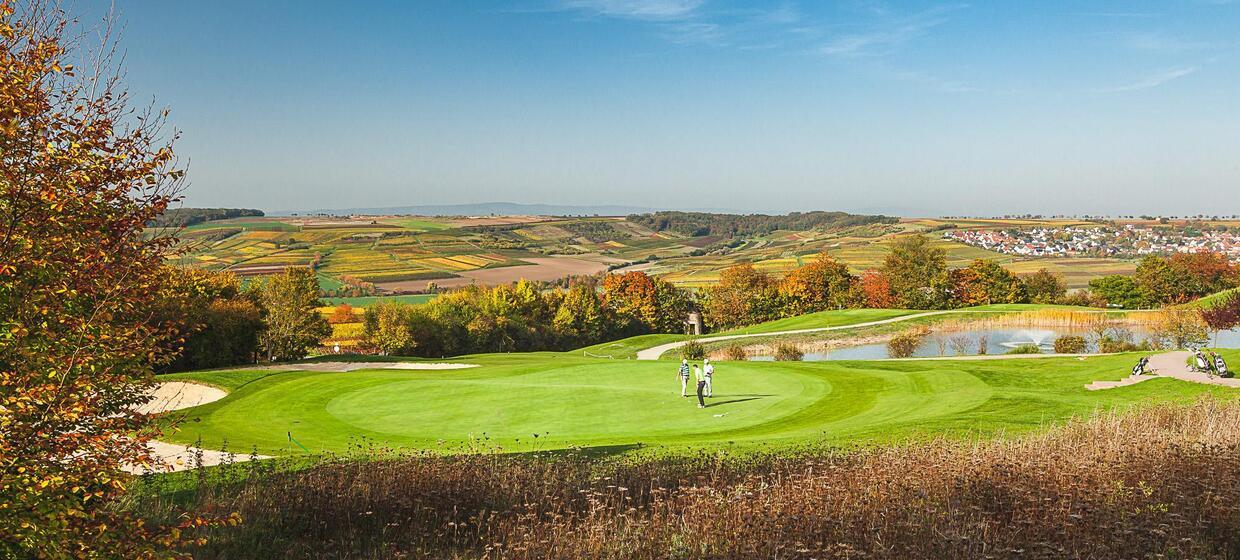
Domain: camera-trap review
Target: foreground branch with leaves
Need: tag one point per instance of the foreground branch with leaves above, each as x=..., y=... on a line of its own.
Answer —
x=81, y=174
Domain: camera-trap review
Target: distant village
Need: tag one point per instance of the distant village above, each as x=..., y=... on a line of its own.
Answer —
x=1103, y=241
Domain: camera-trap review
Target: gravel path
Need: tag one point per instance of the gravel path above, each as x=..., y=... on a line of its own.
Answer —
x=1168, y=364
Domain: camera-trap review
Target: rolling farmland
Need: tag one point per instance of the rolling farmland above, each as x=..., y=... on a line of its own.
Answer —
x=404, y=254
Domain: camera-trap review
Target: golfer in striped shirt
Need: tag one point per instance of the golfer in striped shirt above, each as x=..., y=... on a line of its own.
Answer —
x=683, y=374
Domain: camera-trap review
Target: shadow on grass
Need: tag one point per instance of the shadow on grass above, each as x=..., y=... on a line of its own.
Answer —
x=731, y=401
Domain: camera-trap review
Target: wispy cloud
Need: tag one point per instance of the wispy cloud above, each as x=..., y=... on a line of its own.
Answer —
x=933, y=81
x=1156, y=42
x=694, y=32
x=1140, y=15
x=1153, y=81
x=658, y=10
x=887, y=36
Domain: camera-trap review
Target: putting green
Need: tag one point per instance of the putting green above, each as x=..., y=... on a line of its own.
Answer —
x=573, y=401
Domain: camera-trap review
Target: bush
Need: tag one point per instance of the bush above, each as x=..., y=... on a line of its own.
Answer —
x=736, y=352
x=1108, y=345
x=1070, y=345
x=785, y=352
x=904, y=344
x=1026, y=349
x=693, y=350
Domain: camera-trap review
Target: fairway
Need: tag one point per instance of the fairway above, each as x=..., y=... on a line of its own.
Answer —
x=573, y=401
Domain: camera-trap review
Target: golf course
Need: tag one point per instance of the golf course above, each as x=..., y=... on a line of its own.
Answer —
x=549, y=400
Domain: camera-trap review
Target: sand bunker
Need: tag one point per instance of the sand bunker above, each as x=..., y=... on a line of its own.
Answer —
x=175, y=395
x=168, y=457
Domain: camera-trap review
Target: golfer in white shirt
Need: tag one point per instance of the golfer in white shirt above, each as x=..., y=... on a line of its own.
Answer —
x=709, y=370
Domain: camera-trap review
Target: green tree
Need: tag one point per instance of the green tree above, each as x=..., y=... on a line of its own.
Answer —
x=917, y=273
x=217, y=325
x=580, y=318
x=673, y=305
x=1180, y=328
x=1045, y=287
x=292, y=323
x=1119, y=290
x=743, y=296
x=387, y=327
x=985, y=282
x=1158, y=282
x=824, y=283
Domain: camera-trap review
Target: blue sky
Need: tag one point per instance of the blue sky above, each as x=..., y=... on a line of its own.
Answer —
x=920, y=107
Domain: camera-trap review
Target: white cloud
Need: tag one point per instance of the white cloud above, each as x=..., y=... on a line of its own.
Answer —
x=886, y=36
x=1154, y=80
x=638, y=9
x=1154, y=42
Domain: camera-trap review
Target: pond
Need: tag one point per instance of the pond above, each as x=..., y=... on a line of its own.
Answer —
x=967, y=343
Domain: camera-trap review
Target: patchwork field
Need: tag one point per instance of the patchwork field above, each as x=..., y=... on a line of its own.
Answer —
x=405, y=254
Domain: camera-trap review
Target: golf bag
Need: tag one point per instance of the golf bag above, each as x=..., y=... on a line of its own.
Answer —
x=1201, y=364
x=1220, y=367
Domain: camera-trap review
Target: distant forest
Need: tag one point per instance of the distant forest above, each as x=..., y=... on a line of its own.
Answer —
x=701, y=224
x=181, y=217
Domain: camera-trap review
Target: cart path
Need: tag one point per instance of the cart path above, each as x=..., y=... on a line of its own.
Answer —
x=1167, y=364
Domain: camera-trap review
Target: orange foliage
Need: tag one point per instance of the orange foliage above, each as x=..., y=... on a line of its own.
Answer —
x=343, y=314
x=82, y=176
x=877, y=290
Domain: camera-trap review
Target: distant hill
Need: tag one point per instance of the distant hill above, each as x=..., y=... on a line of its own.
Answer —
x=486, y=209
x=181, y=217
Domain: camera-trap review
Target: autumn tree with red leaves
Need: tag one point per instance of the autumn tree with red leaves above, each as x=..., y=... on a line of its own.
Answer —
x=1223, y=315
x=81, y=174
x=822, y=284
x=876, y=290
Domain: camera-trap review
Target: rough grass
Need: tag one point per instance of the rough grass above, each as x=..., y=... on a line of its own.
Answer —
x=1160, y=483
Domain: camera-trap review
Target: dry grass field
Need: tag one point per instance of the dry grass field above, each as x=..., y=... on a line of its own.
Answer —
x=1149, y=484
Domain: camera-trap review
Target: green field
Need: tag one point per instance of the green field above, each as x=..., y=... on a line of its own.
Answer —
x=569, y=400
x=367, y=301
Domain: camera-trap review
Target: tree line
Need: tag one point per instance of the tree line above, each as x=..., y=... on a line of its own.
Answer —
x=703, y=224
x=524, y=317
x=218, y=323
x=182, y=217
x=914, y=275
x=1160, y=281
